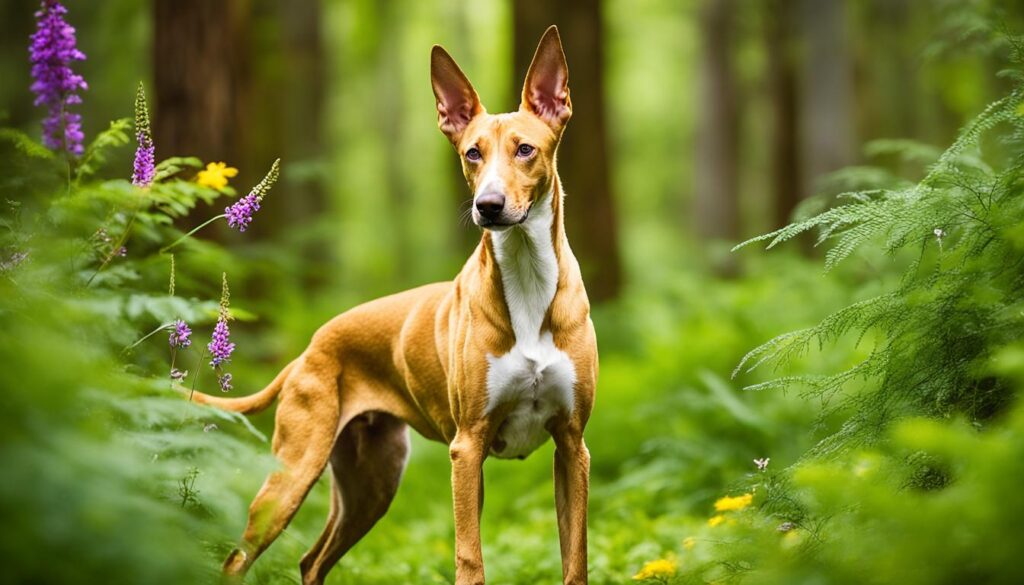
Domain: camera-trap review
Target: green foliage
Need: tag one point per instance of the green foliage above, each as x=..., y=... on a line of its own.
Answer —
x=106, y=457
x=111, y=477
x=25, y=144
x=868, y=518
x=108, y=469
x=916, y=477
x=958, y=300
x=96, y=153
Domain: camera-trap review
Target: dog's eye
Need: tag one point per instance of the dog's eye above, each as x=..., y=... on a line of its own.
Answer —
x=524, y=150
x=473, y=154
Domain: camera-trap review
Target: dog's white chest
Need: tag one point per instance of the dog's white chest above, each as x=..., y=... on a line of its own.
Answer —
x=536, y=381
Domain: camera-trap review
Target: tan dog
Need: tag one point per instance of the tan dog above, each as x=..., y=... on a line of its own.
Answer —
x=493, y=362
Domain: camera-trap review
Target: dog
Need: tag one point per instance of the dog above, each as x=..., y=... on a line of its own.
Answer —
x=492, y=363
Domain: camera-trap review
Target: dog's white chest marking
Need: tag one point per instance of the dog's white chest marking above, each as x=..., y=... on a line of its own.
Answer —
x=535, y=378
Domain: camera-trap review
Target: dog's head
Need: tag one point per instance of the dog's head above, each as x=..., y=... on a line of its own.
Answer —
x=508, y=159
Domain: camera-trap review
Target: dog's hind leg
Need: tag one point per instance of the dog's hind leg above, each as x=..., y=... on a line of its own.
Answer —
x=367, y=464
x=305, y=432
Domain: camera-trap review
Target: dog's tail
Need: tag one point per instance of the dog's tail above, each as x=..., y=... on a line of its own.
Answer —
x=245, y=404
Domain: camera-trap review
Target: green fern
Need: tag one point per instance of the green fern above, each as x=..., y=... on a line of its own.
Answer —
x=96, y=153
x=25, y=144
x=958, y=301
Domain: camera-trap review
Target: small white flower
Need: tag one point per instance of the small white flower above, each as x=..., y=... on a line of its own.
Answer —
x=210, y=427
x=762, y=463
x=939, y=233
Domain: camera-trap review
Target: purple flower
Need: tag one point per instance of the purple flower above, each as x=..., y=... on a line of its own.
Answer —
x=145, y=161
x=225, y=383
x=220, y=346
x=52, y=51
x=178, y=375
x=180, y=335
x=240, y=214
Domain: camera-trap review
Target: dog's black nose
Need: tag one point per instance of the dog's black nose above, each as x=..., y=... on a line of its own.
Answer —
x=490, y=205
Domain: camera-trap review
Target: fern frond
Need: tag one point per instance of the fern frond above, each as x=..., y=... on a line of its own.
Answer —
x=958, y=300
x=25, y=144
x=96, y=153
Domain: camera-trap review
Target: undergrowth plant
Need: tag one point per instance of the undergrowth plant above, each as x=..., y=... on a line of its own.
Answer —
x=108, y=470
x=919, y=481
x=960, y=230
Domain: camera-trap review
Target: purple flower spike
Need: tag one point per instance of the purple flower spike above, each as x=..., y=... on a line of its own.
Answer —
x=240, y=214
x=144, y=162
x=145, y=154
x=180, y=335
x=52, y=51
x=220, y=346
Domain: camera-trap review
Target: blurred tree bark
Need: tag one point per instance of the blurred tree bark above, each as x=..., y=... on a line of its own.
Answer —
x=583, y=156
x=301, y=200
x=199, y=61
x=780, y=44
x=16, y=25
x=211, y=100
x=391, y=118
x=717, y=157
x=828, y=89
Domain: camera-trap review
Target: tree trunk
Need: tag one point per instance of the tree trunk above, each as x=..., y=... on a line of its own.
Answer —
x=828, y=89
x=16, y=25
x=301, y=201
x=787, y=181
x=391, y=123
x=199, y=55
x=716, y=169
x=583, y=159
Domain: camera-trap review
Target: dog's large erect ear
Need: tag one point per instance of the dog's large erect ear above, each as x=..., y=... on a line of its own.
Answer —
x=457, y=102
x=546, y=92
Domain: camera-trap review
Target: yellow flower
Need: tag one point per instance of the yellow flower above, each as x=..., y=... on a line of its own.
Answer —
x=728, y=504
x=716, y=520
x=689, y=542
x=659, y=569
x=792, y=538
x=216, y=175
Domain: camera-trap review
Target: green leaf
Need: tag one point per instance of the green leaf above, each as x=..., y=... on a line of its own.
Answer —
x=165, y=309
x=96, y=154
x=25, y=144
x=174, y=165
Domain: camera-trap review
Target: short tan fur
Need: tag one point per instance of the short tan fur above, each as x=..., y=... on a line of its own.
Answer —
x=491, y=363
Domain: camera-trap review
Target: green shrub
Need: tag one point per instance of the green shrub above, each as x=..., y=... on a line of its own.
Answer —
x=919, y=482
x=110, y=475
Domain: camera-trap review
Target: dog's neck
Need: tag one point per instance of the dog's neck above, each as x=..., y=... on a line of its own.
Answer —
x=528, y=257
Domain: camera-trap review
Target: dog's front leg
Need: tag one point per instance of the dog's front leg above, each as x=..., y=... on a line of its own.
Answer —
x=572, y=481
x=467, y=452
